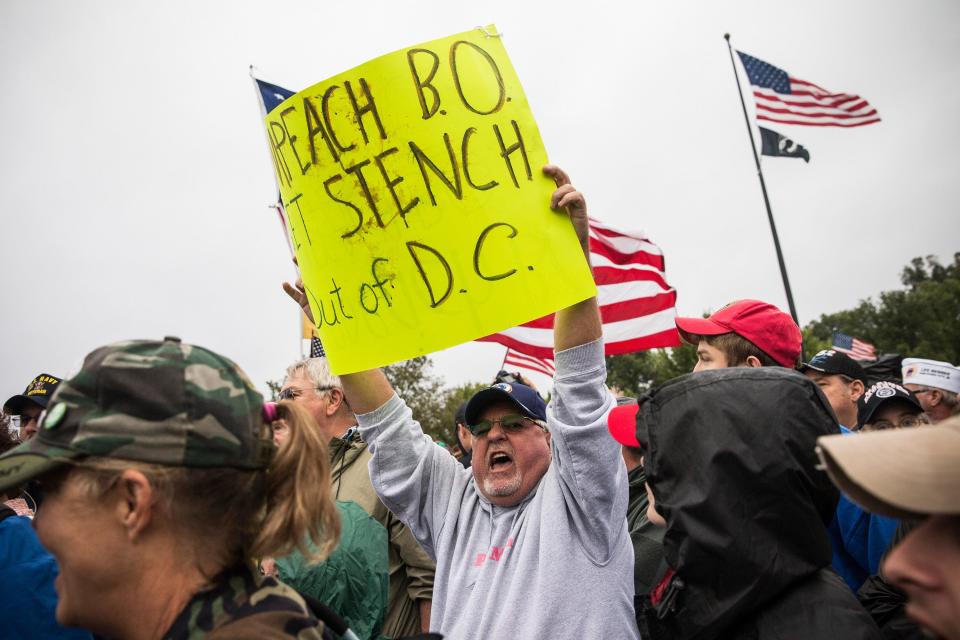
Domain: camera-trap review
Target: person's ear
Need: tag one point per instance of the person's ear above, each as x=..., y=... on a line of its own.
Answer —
x=336, y=401
x=856, y=389
x=135, y=502
x=936, y=397
x=753, y=361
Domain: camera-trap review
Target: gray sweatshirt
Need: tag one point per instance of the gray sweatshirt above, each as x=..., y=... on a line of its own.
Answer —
x=557, y=565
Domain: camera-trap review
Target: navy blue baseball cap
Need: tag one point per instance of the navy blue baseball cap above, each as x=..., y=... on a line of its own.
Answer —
x=833, y=362
x=881, y=393
x=38, y=392
x=523, y=397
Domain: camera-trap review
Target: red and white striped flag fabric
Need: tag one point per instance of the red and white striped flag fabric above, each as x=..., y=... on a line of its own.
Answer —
x=517, y=360
x=636, y=303
x=782, y=98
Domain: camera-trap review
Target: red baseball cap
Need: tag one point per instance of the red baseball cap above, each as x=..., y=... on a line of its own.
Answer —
x=622, y=424
x=770, y=329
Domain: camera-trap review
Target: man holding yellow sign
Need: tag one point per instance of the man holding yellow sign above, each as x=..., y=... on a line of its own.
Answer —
x=531, y=542
x=414, y=204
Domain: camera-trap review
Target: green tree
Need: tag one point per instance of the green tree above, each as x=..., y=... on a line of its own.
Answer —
x=421, y=390
x=922, y=319
x=635, y=373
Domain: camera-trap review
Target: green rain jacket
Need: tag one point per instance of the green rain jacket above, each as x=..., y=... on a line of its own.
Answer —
x=353, y=580
x=410, y=568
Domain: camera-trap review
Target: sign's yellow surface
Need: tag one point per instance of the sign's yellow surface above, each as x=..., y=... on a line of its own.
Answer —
x=417, y=207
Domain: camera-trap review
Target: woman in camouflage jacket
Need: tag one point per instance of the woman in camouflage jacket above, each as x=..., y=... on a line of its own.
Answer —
x=162, y=484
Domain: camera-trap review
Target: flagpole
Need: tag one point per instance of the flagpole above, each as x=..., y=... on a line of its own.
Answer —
x=763, y=188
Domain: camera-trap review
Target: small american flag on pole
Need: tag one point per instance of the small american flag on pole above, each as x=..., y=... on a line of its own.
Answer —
x=518, y=360
x=782, y=98
x=316, y=348
x=856, y=349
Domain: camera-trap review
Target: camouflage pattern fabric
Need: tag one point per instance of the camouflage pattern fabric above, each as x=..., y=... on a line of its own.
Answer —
x=159, y=402
x=241, y=604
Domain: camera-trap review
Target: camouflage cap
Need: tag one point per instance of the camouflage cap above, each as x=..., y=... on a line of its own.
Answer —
x=163, y=402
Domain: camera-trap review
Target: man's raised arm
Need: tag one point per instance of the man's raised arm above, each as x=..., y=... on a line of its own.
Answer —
x=579, y=323
x=589, y=459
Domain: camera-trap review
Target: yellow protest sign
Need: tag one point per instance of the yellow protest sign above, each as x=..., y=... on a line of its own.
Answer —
x=416, y=203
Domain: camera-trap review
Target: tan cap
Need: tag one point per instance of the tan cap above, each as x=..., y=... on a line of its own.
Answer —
x=902, y=473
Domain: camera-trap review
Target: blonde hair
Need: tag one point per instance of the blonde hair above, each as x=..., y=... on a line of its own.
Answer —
x=234, y=515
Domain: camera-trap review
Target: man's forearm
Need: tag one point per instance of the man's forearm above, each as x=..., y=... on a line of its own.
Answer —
x=366, y=390
x=577, y=324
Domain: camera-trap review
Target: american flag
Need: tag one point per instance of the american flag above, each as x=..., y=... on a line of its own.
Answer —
x=782, y=98
x=856, y=349
x=636, y=303
x=316, y=348
x=519, y=360
x=269, y=97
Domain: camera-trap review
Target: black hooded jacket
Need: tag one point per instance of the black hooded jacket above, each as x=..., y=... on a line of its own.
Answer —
x=731, y=462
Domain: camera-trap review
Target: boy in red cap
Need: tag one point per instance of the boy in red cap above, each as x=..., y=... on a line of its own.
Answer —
x=745, y=333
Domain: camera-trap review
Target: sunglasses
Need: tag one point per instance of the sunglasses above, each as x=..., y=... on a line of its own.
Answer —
x=509, y=423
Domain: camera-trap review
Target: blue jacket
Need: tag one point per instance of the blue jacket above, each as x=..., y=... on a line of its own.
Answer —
x=27, y=572
x=859, y=539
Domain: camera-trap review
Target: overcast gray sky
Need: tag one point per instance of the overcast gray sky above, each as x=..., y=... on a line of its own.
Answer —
x=134, y=177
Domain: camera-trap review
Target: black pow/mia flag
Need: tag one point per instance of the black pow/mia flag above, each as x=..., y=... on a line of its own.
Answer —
x=775, y=144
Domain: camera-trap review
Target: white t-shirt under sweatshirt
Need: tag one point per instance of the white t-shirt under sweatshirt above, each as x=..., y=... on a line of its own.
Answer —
x=557, y=565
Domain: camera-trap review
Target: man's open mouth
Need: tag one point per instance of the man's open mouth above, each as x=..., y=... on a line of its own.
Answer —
x=500, y=460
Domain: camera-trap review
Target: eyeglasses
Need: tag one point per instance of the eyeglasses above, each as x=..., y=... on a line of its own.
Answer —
x=23, y=419
x=292, y=393
x=509, y=423
x=906, y=422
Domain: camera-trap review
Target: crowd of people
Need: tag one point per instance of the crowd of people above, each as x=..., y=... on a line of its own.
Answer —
x=155, y=494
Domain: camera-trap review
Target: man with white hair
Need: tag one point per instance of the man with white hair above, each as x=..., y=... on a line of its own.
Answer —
x=935, y=384
x=311, y=384
x=532, y=541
